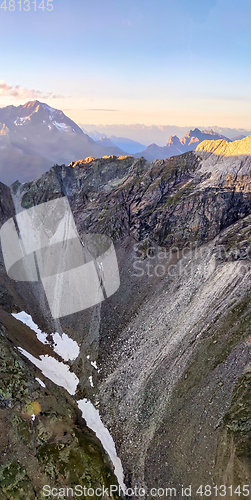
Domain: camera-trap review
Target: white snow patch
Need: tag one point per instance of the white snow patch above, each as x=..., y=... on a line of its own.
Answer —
x=21, y=121
x=93, y=420
x=42, y=337
x=27, y=320
x=94, y=364
x=40, y=382
x=91, y=381
x=67, y=348
x=62, y=127
x=56, y=371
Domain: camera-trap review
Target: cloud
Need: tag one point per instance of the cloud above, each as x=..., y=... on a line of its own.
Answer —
x=101, y=109
x=19, y=92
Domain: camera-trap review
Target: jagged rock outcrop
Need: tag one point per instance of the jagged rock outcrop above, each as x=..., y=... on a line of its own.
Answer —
x=224, y=148
x=173, y=343
x=227, y=164
x=176, y=146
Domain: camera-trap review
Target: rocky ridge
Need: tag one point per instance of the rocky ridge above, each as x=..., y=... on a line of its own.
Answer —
x=223, y=148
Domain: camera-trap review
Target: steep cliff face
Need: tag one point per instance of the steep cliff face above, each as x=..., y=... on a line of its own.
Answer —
x=172, y=344
x=171, y=200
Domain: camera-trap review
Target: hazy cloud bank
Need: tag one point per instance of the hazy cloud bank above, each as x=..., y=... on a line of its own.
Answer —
x=19, y=92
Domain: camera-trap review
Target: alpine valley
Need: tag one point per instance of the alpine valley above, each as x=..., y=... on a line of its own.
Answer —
x=166, y=361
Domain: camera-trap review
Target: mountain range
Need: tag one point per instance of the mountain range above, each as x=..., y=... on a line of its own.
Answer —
x=176, y=146
x=158, y=134
x=166, y=360
x=35, y=136
x=128, y=145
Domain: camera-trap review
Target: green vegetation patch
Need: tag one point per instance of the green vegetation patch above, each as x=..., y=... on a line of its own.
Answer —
x=14, y=380
x=14, y=482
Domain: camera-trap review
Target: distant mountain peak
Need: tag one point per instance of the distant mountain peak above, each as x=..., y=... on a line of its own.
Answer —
x=194, y=133
x=175, y=146
x=35, y=104
x=35, y=136
x=38, y=114
x=173, y=140
x=31, y=104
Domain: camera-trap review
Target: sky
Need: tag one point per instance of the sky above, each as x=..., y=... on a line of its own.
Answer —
x=162, y=62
